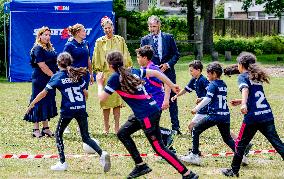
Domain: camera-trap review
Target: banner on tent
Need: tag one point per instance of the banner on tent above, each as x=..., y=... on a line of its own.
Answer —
x=24, y=25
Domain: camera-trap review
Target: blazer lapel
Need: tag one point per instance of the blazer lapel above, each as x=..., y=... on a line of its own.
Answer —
x=163, y=44
x=151, y=40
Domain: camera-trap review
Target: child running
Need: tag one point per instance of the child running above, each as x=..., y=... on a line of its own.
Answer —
x=256, y=109
x=128, y=84
x=73, y=105
x=199, y=83
x=155, y=87
x=217, y=110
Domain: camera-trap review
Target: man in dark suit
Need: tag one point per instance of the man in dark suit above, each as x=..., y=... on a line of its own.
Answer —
x=165, y=56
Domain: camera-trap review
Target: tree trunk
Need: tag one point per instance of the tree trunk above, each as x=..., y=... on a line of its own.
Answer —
x=206, y=15
x=190, y=19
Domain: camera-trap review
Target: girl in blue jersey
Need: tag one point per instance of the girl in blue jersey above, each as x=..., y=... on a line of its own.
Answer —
x=73, y=105
x=217, y=110
x=199, y=84
x=256, y=109
x=128, y=84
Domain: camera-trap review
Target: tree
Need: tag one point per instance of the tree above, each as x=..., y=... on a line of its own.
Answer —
x=2, y=45
x=219, y=10
x=207, y=20
x=271, y=6
x=190, y=19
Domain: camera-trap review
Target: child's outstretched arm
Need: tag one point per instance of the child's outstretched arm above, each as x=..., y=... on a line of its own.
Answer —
x=236, y=102
x=182, y=92
x=39, y=97
x=204, y=102
x=100, y=81
x=86, y=94
x=163, y=78
x=245, y=93
x=166, y=102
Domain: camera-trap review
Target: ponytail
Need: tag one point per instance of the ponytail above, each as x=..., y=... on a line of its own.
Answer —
x=76, y=73
x=128, y=81
x=248, y=61
x=257, y=74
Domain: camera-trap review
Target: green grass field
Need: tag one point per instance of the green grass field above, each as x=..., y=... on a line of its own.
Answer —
x=15, y=136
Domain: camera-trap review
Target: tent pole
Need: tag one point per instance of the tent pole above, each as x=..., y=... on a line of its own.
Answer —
x=5, y=41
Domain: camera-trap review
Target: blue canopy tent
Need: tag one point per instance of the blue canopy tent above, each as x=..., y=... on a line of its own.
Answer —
x=26, y=16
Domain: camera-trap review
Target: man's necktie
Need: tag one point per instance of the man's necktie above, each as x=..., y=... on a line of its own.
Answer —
x=155, y=45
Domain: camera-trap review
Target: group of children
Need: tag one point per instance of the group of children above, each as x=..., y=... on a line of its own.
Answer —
x=146, y=91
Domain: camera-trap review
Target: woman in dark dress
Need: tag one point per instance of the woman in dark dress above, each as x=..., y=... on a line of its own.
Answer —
x=43, y=61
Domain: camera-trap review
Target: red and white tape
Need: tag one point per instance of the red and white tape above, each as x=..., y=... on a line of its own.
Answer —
x=228, y=154
x=40, y=156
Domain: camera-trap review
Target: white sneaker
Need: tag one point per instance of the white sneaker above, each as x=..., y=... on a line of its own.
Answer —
x=245, y=161
x=59, y=166
x=67, y=130
x=105, y=161
x=191, y=159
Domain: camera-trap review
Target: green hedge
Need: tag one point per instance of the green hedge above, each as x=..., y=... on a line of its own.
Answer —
x=137, y=24
x=257, y=45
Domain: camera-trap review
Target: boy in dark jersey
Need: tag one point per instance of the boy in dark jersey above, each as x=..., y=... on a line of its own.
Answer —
x=73, y=105
x=128, y=84
x=217, y=110
x=256, y=109
x=198, y=83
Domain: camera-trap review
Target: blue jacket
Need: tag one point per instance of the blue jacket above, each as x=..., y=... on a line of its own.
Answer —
x=169, y=49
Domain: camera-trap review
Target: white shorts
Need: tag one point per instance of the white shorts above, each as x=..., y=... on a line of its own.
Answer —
x=198, y=117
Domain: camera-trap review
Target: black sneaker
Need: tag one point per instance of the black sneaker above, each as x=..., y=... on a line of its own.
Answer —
x=229, y=172
x=249, y=146
x=191, y=176
x=170, y=139
x=173, y=150
x=178, y=132
x=139, y=170
x=199, y=153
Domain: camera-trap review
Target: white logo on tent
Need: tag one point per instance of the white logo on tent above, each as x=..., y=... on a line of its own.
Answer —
x=61, y=8
x=59, y=31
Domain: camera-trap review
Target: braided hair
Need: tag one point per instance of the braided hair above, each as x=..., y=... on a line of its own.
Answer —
x=64, y=60
x=248, y=61
x=129, y=83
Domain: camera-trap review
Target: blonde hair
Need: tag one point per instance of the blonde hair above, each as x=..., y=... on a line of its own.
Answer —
x=47, y=46
x=106, y=20
x=75, y=28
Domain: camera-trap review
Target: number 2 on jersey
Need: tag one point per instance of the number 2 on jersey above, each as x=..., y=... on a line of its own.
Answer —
x=74, y=94
x=260, y=100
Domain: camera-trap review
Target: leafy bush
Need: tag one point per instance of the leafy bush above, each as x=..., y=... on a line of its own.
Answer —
x=2, y=44
x=220, y=10
x=258, y=45
x=137, y=24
